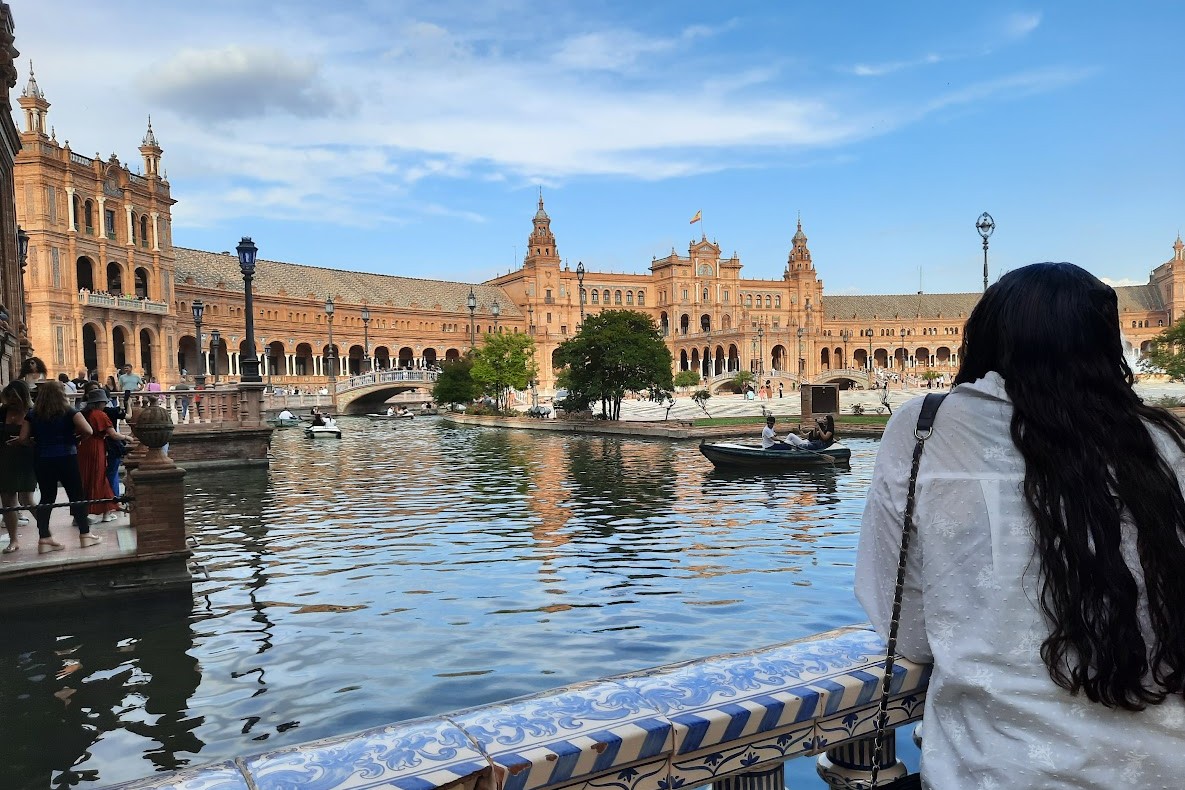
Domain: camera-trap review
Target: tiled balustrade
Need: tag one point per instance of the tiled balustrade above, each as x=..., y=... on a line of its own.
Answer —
x=731, y=721
x=122, y=302
x=386, y=377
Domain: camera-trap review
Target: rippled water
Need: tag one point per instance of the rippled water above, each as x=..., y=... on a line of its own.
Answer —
x=413, y=568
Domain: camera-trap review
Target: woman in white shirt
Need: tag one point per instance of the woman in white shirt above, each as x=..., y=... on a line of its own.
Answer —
x=1046, y=578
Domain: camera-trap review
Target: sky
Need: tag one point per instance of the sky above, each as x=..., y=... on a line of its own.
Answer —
x=413, y=138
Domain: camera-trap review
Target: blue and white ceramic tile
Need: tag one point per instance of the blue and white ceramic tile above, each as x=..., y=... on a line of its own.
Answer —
x=415, y=755
x=760, y=754
x=747, y=694
x=217, y=776
x=652, y=775
x=564, y=736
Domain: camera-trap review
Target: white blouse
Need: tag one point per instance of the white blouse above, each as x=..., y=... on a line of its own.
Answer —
x=994, y=719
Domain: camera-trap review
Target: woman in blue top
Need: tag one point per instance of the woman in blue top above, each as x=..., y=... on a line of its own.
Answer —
x=53, y=426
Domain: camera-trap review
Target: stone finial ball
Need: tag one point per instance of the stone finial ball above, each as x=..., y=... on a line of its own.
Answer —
x=153, y=427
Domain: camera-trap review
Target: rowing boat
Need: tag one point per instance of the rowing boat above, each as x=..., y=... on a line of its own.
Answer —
x=734, y=455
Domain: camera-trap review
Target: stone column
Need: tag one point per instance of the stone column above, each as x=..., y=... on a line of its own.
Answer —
x=155, y=232
x=251, y=404
x=850, y=764
x=127, y=210
x=770, y=779
x=101, y=222
x=70, y=209
x=290, y=361
x=158, y=512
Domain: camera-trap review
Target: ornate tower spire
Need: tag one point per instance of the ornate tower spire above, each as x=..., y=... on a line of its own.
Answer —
x=800, y=254
x=541, y=246
x=1179, y=249
x=150, y=149
x=32, y=101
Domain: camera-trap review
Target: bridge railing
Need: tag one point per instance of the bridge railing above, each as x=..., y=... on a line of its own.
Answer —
x=732, y=721
x=387, y=376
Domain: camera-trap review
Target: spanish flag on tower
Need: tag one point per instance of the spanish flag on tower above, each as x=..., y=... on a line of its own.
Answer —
x=698, y=216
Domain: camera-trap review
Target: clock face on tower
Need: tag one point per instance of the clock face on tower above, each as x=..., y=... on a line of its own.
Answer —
x=704, y=270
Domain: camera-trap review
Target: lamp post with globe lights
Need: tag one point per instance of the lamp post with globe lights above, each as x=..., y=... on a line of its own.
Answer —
x=215, y=342
x=199, y=309
x=471, y=303
x=986, y=225
x=249, y=365
x=580, y=284
x=496, y=309
x=367, y=362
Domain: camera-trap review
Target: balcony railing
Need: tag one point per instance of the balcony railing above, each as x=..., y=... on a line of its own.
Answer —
x=79, y=159
x=108, y=301
x=731, y=721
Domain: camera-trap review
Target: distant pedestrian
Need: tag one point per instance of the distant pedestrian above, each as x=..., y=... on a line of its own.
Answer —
x=779, y=389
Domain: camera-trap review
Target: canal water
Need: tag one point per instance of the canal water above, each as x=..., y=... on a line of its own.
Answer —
x=413, y=568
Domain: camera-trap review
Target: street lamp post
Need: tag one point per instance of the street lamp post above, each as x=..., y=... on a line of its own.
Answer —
x=368, y=363
x=869, y=331
x=249, y=366
x=199, y=308
x=331, y=357
x=761, y=349
x=985, y=226
x=496, y=309
x=754, y=358
x=530, y=319
x=801, y=358
x=471, y=303
x=215, y=341
x=846, y=334
x=580, y=283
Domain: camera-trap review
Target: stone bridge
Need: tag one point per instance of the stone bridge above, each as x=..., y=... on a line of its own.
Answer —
x=854, y=375
x=366, y=393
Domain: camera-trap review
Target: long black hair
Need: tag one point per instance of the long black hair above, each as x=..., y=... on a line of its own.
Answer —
x=1051, y=330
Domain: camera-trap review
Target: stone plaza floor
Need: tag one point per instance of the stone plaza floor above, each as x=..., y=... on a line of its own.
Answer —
x=119, y=540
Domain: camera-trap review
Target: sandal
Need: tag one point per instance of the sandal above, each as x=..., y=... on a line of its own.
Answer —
x=10, y=548
x=88, y=540
x=46, y=545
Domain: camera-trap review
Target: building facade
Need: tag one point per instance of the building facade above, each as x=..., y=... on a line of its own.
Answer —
x=14, y=330
x=105, y=287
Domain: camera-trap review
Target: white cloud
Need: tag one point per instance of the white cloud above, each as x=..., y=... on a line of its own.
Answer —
x=881, y=69
x=1122, y=282
x=1019, y=25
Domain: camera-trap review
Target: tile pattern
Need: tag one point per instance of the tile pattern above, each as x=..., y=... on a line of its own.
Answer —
x=218, y=776
x=668, y=728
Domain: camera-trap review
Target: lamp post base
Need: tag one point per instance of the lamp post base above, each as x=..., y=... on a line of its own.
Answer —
x=249, y=371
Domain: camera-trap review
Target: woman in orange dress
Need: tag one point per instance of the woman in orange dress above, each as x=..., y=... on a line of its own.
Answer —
x=92, y=455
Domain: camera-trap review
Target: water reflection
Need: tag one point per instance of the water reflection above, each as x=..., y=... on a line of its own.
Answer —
x=414, y=568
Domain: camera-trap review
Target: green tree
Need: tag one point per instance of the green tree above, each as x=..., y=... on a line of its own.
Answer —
x=455, y=383
x=742, y=378
x=701, y=399
x=686, y=378
x=504, y=362
x=615, y=352
x=1167, y=354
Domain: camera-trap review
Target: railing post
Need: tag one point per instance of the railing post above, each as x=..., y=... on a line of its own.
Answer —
x=770, y=779
x=849, y=765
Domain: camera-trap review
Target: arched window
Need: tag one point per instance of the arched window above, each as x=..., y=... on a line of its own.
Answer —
x=605, y=295
x=724, y=296
x=778, y=300
x=143, y=231
x=88, y=214
x=748, y=300
x=141, y=277
x=629, y=297
x=768, y=301
x=641, y=298
x=617, y=297
x=705, y=299
x=596, y=296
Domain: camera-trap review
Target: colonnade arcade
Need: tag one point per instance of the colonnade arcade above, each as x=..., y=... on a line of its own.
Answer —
x=280, y=360
x=109, y=346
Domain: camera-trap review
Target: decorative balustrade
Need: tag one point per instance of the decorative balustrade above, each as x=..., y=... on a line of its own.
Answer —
x=387, y=376
x=206, y=408
x=274, y=402
x=122, y=302
x=79, y=159
x=138, y=180
x=731, y=721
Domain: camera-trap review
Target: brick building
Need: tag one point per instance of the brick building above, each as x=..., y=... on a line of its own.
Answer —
x=105, y=286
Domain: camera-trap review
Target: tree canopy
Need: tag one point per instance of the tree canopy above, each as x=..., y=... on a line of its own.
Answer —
x=1167, y=355
x=504, y=361
x=615, y=352
x=455, y=383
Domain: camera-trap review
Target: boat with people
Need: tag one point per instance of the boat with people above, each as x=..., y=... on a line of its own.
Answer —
x=392, y=414
x=322, y=426
x=738, y=455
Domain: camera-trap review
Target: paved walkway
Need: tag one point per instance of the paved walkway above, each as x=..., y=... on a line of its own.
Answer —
x=119, y=539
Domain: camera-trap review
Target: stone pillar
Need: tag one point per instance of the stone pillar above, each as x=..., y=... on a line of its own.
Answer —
x=251, y=404
x=290, y=361
x=850, y=765
x=769, y=779
x=101, y=229
x=158, y=485
x=127, y=210
x=70, y=209
x=155, y=232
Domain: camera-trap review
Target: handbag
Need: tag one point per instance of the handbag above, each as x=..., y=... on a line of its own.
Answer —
x=921, y=433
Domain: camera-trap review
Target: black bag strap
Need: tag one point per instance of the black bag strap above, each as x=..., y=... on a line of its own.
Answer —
x=921, y=433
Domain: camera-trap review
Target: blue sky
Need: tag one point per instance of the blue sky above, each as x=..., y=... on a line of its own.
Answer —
x=411, y=138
